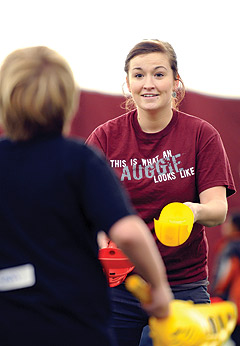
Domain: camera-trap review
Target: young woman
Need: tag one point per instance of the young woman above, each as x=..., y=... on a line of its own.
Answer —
x=55, y=195
x=162, y=155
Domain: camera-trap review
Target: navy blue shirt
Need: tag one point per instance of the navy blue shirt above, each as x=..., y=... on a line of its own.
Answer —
x=55, y=194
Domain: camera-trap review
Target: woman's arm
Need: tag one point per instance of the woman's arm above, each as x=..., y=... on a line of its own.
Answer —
x=133, y=237
x=213, y=207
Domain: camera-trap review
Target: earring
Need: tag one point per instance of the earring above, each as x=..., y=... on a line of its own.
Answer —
x=174, y=94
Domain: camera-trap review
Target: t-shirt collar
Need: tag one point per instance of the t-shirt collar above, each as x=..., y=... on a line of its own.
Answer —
x=157, y=135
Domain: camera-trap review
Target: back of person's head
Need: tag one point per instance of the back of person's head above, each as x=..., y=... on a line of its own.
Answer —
x=37, y=93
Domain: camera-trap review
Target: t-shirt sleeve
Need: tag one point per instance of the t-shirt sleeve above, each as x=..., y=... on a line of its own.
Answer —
x=96, y=139
x=104, y=199
x=213, y=167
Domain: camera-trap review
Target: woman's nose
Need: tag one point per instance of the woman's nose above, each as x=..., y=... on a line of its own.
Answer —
x=148, y=83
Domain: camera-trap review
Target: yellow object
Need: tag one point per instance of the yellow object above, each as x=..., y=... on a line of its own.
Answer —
x=175, y=224
x=188, y=324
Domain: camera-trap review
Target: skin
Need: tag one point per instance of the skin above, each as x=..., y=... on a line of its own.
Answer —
x=150, y=81
x=132, y=236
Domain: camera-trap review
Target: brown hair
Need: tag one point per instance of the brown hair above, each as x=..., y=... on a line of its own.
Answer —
x=37, y=93
x=152, y=46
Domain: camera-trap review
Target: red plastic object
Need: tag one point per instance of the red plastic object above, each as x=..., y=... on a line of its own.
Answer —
x=216, y=300
x=115, y=264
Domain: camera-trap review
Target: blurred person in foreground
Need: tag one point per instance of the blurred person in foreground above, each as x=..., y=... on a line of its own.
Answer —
x=55, y=195
x=226, y=284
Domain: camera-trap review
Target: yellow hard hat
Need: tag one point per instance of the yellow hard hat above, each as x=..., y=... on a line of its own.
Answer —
x=175, y=224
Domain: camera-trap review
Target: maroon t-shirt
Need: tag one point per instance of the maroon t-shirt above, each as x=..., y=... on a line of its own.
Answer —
x=173, y=165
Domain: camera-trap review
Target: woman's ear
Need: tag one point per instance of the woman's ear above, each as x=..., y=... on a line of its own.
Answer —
x=128, y=85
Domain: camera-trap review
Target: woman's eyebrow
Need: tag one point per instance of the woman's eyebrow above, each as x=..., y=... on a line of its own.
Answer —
x=160, y=67
x=155, y=68
x=137, y=68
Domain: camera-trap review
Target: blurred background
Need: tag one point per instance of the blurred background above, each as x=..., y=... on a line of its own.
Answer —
x=96, y=36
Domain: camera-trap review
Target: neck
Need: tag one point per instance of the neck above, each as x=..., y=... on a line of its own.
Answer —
x=151, y=122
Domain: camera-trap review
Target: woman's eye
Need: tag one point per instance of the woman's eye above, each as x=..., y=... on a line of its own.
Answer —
x=159, y=75
x=138, y=75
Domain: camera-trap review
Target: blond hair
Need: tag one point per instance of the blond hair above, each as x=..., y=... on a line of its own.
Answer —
x=37, y=93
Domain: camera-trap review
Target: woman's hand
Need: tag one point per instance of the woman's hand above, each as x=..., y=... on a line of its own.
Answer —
x=102, y=240
x=212, y=209
x=161, y=296
x=194, y=207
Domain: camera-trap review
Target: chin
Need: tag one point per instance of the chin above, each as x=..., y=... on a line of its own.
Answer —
x=151, y=108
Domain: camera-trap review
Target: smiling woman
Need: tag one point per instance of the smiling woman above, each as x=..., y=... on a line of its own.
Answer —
x=151, y=82
x=160, y=64
x=168, y=156
x=151, y=85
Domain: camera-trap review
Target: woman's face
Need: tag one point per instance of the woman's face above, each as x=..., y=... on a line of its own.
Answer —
x=150, y=81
